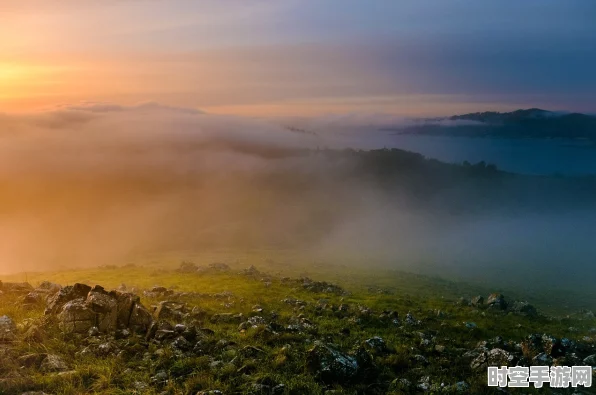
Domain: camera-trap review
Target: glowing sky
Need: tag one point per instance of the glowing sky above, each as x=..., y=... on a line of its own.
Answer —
x=301, y=57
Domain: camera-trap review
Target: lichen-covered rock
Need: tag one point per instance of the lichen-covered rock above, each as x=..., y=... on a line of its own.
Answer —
x=168, y=310
x=494, y=357
x=105, y=308
x=125, y=303
x=53, y=363
x=330, y=365
x=76, y=317
x=140, y=319
x=65, y=295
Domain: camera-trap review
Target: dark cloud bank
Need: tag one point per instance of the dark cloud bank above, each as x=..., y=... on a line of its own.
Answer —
x=94, y=183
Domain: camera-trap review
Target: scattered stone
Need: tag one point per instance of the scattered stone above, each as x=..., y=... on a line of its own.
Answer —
x=410, y=320
x=470, y=325
x=330, y=365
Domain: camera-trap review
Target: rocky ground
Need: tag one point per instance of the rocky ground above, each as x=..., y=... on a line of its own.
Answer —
x=265, y=334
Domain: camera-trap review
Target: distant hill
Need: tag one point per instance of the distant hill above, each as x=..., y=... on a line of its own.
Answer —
x=529, y=123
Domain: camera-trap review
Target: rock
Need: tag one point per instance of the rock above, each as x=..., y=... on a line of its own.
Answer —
x=76, y=317
x=536, y=344
x=215, y=267
x=181, y=344
x=461, y=387
x=542, y=359
x=168, y=310
x=496, y=301
x=8, y=329
x=523, y=308
x=477, y=301
x=187, y=267
x=157, y=292
x=53, y=363
x=65, y=295
x=251, y=271
x=321, y=287
x=375, y=345
x=31, y=360
x=227, y=318
x=494, y=357
x=329, y=365
x=125, y=303
x=105, y=308
x=590, y=360
x=41, y=294
x=160, y=377
x=140, y=319
x=410, y=320
x=463, y=302
x=16, y=288
x=470, y=325
x=95, y=307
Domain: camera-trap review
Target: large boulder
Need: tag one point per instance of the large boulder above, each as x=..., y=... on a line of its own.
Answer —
x=105, y=308
x=125, y=304
x=140, y=319
x=65, y=295
x=81, y=308
x=76, y=317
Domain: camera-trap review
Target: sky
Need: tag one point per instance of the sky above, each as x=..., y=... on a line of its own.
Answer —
x=265, y=58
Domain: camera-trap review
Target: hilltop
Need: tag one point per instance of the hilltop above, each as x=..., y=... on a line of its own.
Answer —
x=219, y=328
x=523, y=123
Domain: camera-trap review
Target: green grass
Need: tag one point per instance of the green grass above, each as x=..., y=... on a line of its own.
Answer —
x=283, y=356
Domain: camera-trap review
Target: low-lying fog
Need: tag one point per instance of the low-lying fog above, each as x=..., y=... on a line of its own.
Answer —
x=93, y=184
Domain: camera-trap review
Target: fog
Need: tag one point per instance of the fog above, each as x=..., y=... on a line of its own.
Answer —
x=98, y=183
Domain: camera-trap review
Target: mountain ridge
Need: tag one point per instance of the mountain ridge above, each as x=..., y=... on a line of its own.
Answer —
x=521, y=123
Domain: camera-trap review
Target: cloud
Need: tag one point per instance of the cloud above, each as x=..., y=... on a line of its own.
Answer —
x=147, y=106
